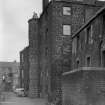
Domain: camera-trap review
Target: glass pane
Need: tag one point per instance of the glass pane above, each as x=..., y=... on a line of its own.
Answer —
x=66, y=30
x=66, y=11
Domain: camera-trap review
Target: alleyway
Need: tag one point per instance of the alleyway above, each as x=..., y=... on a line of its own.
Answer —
x=12, y=99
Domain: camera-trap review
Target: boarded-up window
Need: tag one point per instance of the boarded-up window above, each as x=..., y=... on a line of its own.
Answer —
x=66, y=11
x=66, y=29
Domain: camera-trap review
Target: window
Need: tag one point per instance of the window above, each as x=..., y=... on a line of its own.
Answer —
x=103, y=24
x=90, y=34
x=78, y=42
x=46, y=35
x=74, y=46
x=66, y=29
x=46, y=51
x=77, y=63
x=79, y=45
x=103, y=58
x=66, y=11
x=88, y=61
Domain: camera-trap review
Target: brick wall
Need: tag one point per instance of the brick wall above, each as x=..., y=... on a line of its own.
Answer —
x=62, y=52
x=21, y=69
x=26, y=69
x=84, y=88
x=93, y=50
x=50, y=52
x=44, y=52
x=33, y=58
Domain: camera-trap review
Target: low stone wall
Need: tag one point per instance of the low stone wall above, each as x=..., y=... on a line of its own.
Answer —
x=85, y=86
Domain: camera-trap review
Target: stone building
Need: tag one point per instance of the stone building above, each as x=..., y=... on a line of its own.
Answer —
x=24, y=69
x=50, y=43
x=90, y=40
x=85, y=84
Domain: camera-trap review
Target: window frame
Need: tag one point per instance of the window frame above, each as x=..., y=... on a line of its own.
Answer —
x=74, y=46
x=64, y=30
x=78, y=42
x=77, y=62
x=89, y=34
x=66, y=11
x=88, y=65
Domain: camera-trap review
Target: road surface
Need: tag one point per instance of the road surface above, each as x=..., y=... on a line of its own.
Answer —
x=12, y=99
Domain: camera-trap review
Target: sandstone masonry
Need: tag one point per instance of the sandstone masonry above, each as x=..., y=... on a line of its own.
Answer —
x=50, y=44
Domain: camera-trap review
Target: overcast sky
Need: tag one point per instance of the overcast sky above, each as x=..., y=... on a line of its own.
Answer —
x=14, y=15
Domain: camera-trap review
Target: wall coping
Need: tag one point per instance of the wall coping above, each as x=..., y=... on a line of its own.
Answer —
x=84, y=69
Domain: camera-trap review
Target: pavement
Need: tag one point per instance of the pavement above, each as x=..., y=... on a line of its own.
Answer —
x=12, y=99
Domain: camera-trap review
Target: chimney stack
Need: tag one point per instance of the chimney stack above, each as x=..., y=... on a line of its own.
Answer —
x=45, y=3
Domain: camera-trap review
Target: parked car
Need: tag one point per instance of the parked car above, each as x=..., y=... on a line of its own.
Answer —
x=20, y=92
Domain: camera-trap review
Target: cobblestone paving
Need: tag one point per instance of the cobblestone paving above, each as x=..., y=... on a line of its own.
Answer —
x=12, y=99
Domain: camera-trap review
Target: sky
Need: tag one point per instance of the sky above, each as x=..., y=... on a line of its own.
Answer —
x=14, y=16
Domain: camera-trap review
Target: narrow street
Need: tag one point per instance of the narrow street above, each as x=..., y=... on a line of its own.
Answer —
x=12, y=99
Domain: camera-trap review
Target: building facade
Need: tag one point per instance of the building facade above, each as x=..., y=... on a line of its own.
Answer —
x=88, y=44
x=9, y=75
x=24, y=69
x=50, y=44
x=88, y=64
